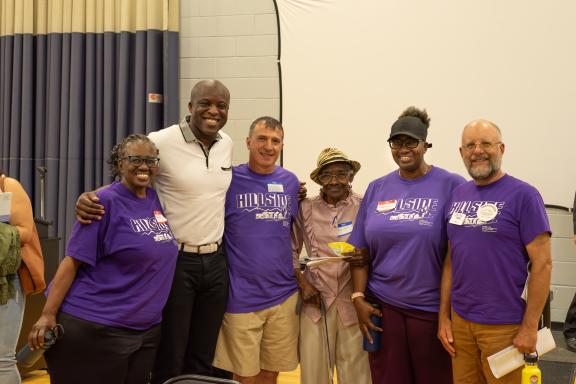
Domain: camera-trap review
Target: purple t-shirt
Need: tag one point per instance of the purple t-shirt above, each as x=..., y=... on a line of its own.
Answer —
x=128, y=260
x=259, y=214
x=401, y=222
x=489, y=228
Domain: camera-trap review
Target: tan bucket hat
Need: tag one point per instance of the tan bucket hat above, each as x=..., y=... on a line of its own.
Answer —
x=329, y=156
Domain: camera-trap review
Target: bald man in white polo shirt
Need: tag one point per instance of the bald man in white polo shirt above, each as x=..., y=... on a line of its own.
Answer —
x=193, y=177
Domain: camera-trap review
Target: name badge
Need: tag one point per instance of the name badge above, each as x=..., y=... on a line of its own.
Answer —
x=386, y=206
x=457, y=218
x=487, y=212
x=275, y=187
x=345, y=228
x=160, y=217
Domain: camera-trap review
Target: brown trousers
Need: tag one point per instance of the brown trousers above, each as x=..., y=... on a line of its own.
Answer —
x=474, y=342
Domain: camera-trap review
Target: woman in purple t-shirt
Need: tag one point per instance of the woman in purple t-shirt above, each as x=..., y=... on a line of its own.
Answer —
x=400, y=224
x=109, y=290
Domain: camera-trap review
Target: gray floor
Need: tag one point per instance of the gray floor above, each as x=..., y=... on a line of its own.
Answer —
x=558, y=365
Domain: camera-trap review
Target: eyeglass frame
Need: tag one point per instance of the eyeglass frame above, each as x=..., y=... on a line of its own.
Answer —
x=340, y=177
x=484, y=145
x=418, y=141
x=138, y=161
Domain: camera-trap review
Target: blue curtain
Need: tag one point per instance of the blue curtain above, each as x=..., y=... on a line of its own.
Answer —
x=67, y=98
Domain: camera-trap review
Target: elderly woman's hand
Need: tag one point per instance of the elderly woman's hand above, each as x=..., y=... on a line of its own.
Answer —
x=309, y=293
x=358, y=258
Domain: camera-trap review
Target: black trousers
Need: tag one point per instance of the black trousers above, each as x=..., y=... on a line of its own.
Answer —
x=570, y=322
x=92, y=353
x=192, y=316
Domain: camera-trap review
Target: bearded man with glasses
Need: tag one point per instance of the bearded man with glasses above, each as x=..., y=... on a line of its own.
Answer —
x=497, y=224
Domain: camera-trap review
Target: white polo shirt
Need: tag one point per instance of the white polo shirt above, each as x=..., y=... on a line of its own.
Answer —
x=192, y=182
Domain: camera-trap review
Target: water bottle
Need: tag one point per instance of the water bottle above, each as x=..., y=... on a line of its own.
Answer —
x=531, y=373
x=27, y=357
x=377, y=321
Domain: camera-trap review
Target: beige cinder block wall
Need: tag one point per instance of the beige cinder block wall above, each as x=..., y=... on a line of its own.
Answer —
x=236, y=42
x=564, y=263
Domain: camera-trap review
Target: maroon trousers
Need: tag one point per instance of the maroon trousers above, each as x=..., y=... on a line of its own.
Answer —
x=410, y=352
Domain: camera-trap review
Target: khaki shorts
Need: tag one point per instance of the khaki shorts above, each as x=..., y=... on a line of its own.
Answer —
x=266, y=339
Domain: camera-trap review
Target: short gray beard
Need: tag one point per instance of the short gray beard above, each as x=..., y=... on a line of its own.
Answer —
x=482, y=173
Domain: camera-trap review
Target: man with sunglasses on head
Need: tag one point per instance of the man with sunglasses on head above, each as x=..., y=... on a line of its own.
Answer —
x=192, y=181
x=497, y=231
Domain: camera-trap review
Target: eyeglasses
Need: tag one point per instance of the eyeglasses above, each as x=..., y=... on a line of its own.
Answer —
x=341, y=177
x=484, y=145
x=409, y=143
x=151, y=162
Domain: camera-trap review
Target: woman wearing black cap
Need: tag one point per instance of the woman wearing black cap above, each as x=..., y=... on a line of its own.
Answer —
x=400, y=224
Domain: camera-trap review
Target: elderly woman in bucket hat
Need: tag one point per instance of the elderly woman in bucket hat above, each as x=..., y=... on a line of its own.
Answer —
x=401, y=226
x=329, y=217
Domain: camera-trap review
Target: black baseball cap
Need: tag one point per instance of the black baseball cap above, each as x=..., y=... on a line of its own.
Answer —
x=409, y=126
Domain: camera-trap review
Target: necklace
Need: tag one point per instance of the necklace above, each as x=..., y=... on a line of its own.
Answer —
x=426, y=170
